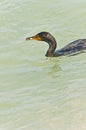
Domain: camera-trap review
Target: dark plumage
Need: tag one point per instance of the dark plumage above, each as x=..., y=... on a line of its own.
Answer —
x=72, y=48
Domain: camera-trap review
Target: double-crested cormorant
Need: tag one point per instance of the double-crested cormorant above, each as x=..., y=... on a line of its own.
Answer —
x=71, y=48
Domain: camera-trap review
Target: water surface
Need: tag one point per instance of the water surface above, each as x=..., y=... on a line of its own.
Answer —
x=39, y=93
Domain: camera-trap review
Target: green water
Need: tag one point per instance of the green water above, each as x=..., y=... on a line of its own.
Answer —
x=39, y=93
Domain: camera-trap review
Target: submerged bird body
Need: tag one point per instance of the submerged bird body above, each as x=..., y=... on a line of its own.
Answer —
x=71, y=48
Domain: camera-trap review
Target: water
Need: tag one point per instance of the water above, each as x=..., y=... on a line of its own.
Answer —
x=39, y=93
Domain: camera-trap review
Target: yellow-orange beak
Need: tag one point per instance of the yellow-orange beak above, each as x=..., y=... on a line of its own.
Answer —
x=34, y=38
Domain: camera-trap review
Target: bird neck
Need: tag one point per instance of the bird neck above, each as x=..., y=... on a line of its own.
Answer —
x=52, y=46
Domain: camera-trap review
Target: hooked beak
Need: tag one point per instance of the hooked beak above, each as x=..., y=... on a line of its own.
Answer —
x=34, y=38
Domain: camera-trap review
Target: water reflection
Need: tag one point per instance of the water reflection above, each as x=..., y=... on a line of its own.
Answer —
x=54, y=66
